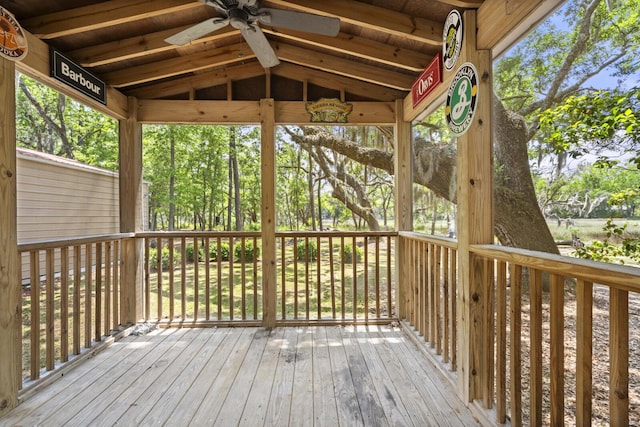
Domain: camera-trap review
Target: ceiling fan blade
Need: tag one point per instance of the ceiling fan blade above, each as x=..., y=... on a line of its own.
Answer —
x=258, y=43
x=197, y=31
x=300, y=21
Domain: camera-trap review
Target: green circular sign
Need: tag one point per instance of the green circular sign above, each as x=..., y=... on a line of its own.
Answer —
x=462, y=99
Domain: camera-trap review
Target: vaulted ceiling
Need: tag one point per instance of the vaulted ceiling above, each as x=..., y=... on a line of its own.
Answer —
x=381, y=48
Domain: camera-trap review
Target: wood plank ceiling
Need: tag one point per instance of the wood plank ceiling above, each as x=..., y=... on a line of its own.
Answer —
x=381, y=49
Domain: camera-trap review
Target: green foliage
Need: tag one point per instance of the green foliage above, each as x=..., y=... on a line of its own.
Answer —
x=189, y=253
x=301, y=250
x=153, y=258
x=224, y=252
x=618, y=244
x=250, y=252
x=347, y=255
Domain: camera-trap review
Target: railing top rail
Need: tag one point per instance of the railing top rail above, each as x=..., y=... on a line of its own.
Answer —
x=57, y=243
x=440, y=240
x=193, y=233
x=613, y=275
x=335, y=233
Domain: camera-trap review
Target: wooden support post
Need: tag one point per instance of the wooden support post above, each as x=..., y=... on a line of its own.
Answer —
x=10, y=315
x=268, y=158
x=475, y=226
x=131, y=193
x=403, y=187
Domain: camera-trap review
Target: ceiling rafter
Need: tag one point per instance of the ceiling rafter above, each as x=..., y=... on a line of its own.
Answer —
x=344, y=67
x=180, y=65
x=102, y=15
x=372, y=17
x=200, y=81
x=136, y=47
x=360, y=47
x=334, y=82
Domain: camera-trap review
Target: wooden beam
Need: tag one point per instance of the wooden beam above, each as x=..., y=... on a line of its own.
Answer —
x=372, y=17
x=501, y=23
x=268, y=213
x=364, y=113
x=131, y=194
x=359, y=47
x=219, y=77
x=335, y=82
x=214, y=112
x=181, y=65
x=469, y=4
x=247, y=112
x=475, y=226
x=344, y=67
x=102, y=15
x=10, y=289
x=140, y=46
x=37, y=66
x=403, y=188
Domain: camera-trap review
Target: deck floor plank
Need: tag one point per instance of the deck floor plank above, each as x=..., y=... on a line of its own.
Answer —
x=325, y=411
x=131, y=384
x=346, y=397
x=251, y=377
x=282, y=388
x=255, y=410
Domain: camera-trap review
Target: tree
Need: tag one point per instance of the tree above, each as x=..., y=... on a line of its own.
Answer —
x=558, y=60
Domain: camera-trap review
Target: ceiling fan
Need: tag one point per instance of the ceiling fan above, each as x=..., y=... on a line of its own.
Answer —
x=245, y=16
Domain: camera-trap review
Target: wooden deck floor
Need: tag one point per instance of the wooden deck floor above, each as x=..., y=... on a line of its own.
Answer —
x=309, y=376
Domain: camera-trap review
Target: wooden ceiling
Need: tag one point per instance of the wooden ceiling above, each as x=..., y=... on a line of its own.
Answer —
x=381, y=49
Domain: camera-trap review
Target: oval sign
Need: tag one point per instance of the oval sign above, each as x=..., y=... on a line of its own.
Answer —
x=13, y=42
x=462, y=99
x=451, y=39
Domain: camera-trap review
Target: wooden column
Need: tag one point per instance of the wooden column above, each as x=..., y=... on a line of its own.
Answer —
x=403, y=187
x=475, y=226
x=10, y=296
x=131, y=193
x=268, y=216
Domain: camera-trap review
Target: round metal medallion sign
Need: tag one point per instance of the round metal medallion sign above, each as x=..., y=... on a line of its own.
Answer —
x=461, y=99
x=451, y=39
x=13, y=43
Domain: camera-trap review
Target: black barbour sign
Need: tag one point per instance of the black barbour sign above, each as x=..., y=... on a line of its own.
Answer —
x=73, y=75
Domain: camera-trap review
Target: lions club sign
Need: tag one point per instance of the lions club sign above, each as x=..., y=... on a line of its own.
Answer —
x=462, y=99
x=13, y=42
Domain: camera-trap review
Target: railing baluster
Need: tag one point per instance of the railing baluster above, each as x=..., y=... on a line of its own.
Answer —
x=318, y=278
x=307, y=259
x=437, y=300
x=354, y=282
x=333, y=281
x=343, y=285
x=283, y=273
x=98, y=299
x=160, y=278
x=64, y=304
x=172, y=281
x=77, y=257
x=255, y=278
x=231, y=280
x=116, y=285
x=207, y=273
x=88, y=291
x=501, y=341
x=535, y=366
x=377, y=278
x=584, y=351
x=34, y=292
x=107, y=287
x=243, y=277
x=366, y=279
x=219, y=271
x=49, y=310
x=556, y=326
x=196, y=287
x=389, y=278
x=183, y=279
x=515, y=338
x=619, y=357
x=295, y=278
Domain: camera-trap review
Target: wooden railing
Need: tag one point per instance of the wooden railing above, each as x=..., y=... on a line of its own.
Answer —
x=335, y=277
x=561, y=349
x=330, y=277
x=71, y=298
x=430, y=288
